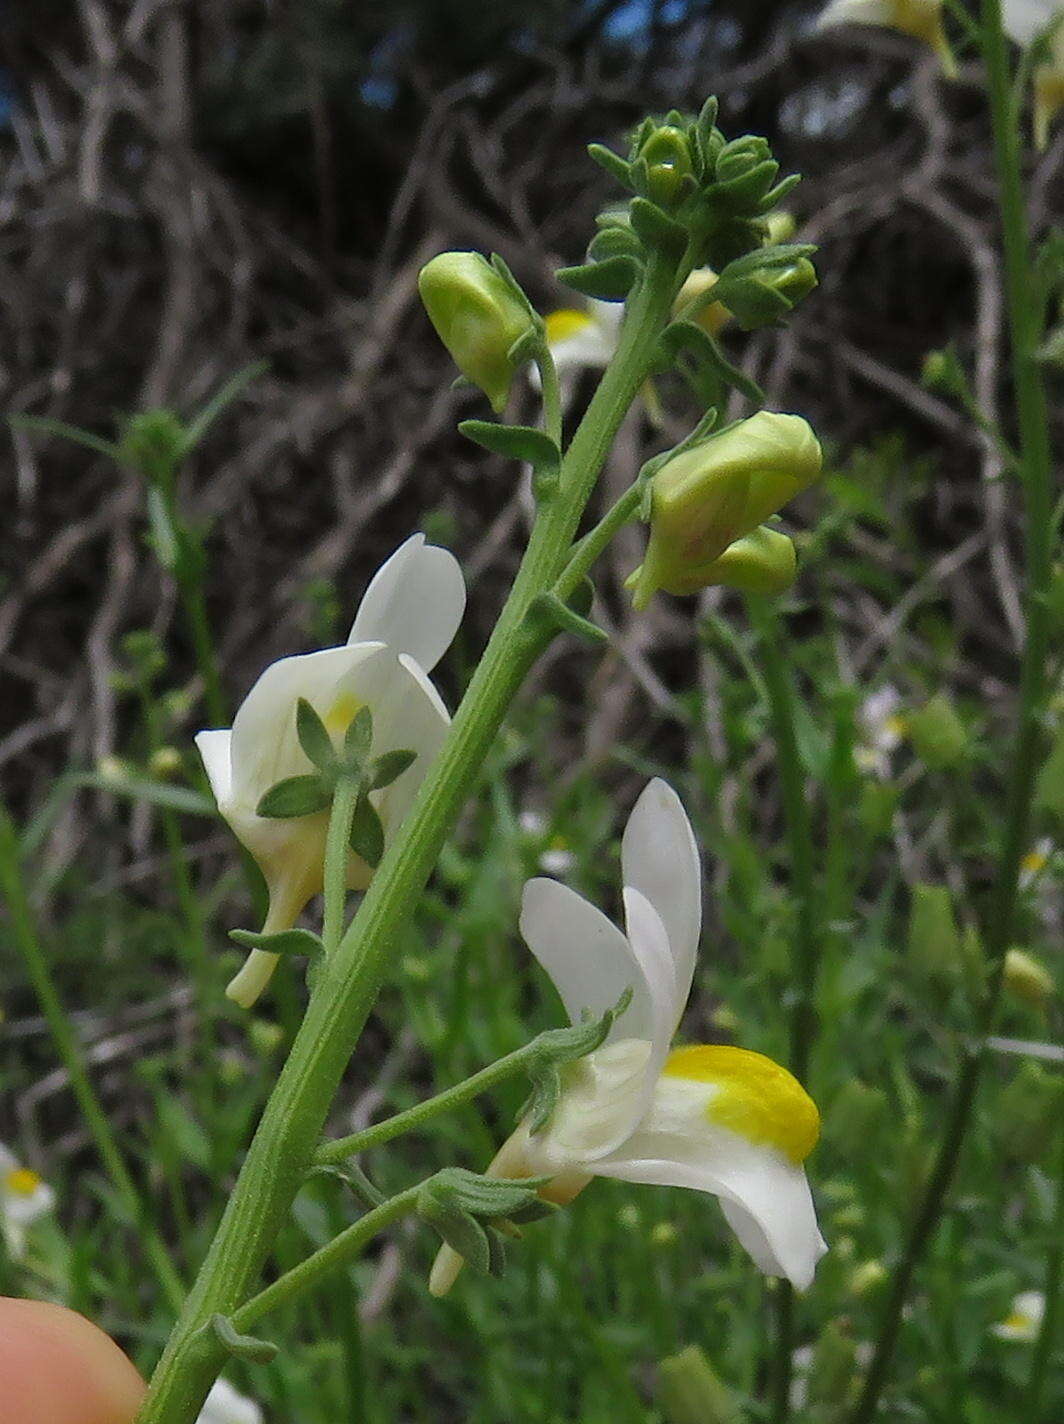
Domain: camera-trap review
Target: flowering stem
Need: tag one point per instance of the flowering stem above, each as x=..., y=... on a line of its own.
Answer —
x=69, y=1050
x=351, y=977
x=1025, y=317
x=341, y=817
x=421, y=1113
x=779, y=688
x=190, y=588
x=338, y=1252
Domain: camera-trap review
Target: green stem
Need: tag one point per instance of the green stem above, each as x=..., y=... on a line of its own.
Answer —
x=199, y=627
x=338, y=1252
x=1054, y=1278
x=422, y=1113
x=779, y=687
x=69, y=1050
x=336, y=856
x=351, y=977
x=1036, y=468
x=622, y=512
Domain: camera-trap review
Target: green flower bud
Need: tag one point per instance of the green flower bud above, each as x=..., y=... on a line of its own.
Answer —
x=1027, y=979
x=478, y=317
x=667, y=154
x=767, y=294
x=705, y=499
x=690, y=1392
x=934, y=939
x=165, y=763
x=938, y=736
x=866, y=1277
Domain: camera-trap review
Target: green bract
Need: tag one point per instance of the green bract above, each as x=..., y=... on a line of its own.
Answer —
x=479, y=315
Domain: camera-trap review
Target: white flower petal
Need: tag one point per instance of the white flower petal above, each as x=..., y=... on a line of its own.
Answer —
x=770, y=1205
x=214, y=748
x=588, y=959
x=592, y=344
x=8, y=1160
x=659, y=858
x=857, y=12
x=1024, y=20
x=264, y=747
x=414, y=603
x=225, y=1405
x=649, y=944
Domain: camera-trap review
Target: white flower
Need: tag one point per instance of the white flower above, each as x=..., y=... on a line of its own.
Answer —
x=404, y=625
x=1024, y=21
x=224, y=1405
x=882, y=728
x=920, y=18
x=1035, y=861
x=1024, y=1319
x=24, y=1198
x=713, y=1118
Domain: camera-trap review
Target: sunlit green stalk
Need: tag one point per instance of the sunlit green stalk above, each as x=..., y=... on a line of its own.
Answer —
x=798, y=828
x=351, y=977
x=1025, y=316
x=69, y=1050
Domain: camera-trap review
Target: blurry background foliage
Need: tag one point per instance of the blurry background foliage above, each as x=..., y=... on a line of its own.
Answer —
x=187, y=187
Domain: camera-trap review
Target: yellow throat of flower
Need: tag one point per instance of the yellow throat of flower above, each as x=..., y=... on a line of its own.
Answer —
x=21, y=1182
x=565, y=322
x=341, y=714
x=756, y=1098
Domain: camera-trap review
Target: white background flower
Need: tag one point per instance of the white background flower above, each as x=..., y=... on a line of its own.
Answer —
x=24, y=1199
x=715, y=1119
x=225, y=1405
x=405, y=623
x=1024, y=1319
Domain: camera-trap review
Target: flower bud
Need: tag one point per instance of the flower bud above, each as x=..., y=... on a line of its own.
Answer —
x=938, y=736
x=1027, y=978
x=866, y=1277
x=934, y=939
x=768, y=293
x=667, y=154
x=779, y=226
x=705, y=499
x=712, y=317
x=165, y=763
x=690, y=1392
x=1029, y=1109
x=153, y=443
x=478, y=317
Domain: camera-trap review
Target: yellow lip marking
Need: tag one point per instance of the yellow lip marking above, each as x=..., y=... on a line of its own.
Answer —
x=1034, y=861
x=565, y=322
x=21, y=1182
x=757, y=1099
x=341, y=714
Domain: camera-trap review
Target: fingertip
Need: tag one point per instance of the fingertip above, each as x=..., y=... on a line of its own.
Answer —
x=59, y=1368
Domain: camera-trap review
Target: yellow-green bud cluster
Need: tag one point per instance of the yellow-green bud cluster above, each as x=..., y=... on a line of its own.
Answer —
x=709, y=504
x=480, y=317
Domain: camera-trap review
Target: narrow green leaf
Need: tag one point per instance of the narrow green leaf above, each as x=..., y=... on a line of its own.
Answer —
x=612, y=162
x=294, y=796
x=516, y=442
x=551, y=607
x=294, y=941
x=44, y=426
x=313, y=738
x=201, y=423
x=367, y=833
x=390, y=767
